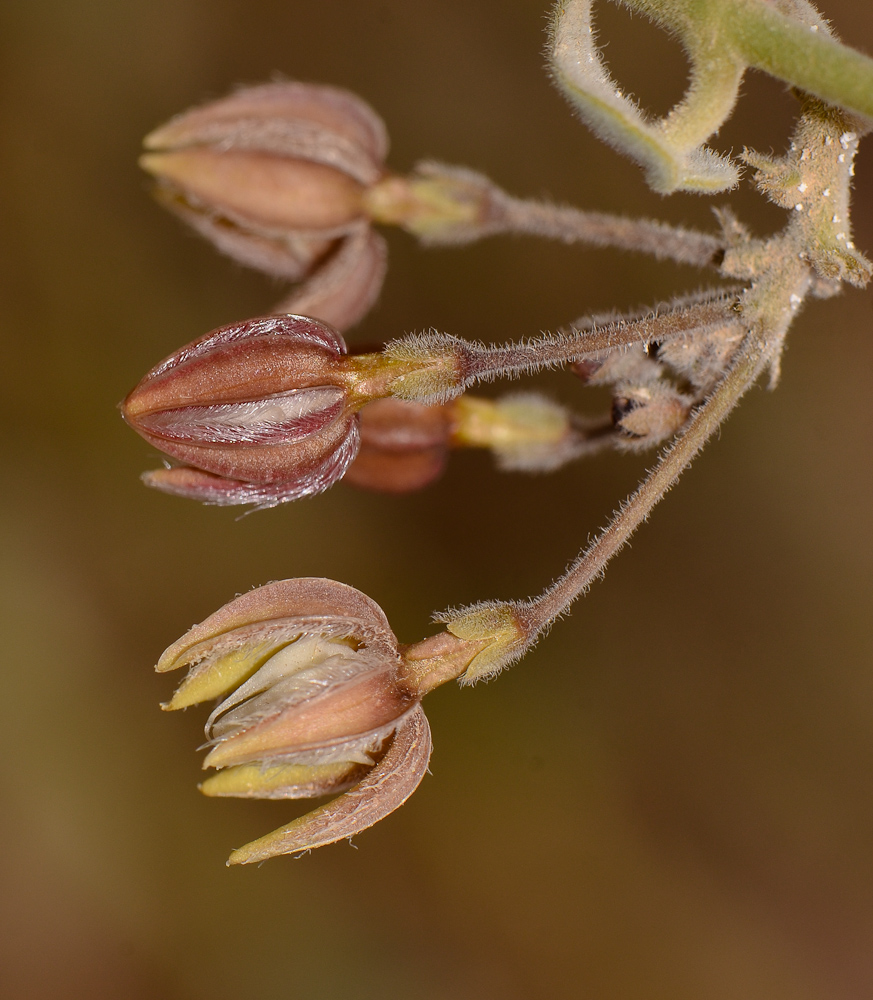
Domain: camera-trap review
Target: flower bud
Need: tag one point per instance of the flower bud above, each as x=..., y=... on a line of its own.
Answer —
x=274, y=176
x=526, y=432
x=278, y=157
x=317, y=697
x=256, y=412
x=649, y=413
x=404, y=446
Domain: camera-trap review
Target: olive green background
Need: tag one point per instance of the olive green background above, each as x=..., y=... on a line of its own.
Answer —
x=670, y=798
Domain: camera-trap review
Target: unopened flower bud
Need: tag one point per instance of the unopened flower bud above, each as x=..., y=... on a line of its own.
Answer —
x=525, y=432
x=260, y=412
x=404, y=446
x=256, y=412
x=280, y=157
x=274, y=176
x=649, y=413
x=317, y=697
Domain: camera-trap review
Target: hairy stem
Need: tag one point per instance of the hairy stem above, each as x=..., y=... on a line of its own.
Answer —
x=444, y=205
x=751, y=359
x=589, y=337
x=794, y=52
x=600, y=229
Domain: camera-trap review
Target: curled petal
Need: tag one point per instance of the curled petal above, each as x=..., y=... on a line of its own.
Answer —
x=312, y=122
x=309, y=604
x=259, y=357
x=225, y=491
x=302, y=468
x=311, y=464
x=388, y=785
x=193, y=484
x=346, y=285
x=290, y=256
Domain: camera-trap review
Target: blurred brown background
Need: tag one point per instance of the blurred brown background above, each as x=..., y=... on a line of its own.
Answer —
x=670, y=798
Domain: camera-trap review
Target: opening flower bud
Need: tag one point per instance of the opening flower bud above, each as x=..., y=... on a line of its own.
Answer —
x=256, y=412
x=317, y=696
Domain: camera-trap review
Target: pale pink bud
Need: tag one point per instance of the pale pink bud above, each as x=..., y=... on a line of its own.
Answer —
x=279, y=157
x=275, y=177
x=256, y=412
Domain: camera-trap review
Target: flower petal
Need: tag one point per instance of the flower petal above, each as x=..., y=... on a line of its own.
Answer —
x=300, y=331
x=287, y=255
x=278, y=419
x=220, y=674
x=313, y=604
x=322, y=707
x=311, y=121
x=225, y=491
x=283, y=781
x=293, y=666
x=388, y=785
x=344, y=288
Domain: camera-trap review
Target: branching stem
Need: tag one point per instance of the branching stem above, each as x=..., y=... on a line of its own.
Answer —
x=751, y=359
x=712, y=311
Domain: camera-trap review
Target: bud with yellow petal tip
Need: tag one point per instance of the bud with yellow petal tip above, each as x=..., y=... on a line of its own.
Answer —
x=317, y=697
